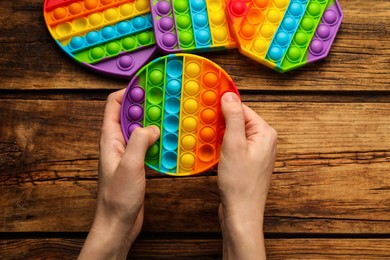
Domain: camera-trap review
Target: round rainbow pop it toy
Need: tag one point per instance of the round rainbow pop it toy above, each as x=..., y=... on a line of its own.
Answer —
x=285, y=34
x=113, y=37
x=179, y=93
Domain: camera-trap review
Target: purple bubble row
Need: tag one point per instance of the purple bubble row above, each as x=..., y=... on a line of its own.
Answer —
x=163, y=20
x=132, y=112
x=325, y=33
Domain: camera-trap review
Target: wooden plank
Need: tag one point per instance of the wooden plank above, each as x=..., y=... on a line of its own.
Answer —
x=246, y=96
x=313, y=248
x=316, y=202
x=331, y=174
x=358, y=61
x=316, y=133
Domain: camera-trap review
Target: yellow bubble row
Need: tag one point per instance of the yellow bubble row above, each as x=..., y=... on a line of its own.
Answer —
x=219, y=26
x=273, y=17
x=82, y=25
x=188, y=125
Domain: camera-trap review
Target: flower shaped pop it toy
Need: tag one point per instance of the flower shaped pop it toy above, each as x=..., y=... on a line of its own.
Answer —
x=179, y=93
x=113, y=37
x=284, y=34
x=191, y=25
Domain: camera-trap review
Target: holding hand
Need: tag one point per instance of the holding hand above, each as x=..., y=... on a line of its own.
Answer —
x=244, y=175
x=120, y=202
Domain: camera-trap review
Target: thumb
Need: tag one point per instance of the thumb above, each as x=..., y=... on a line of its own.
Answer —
x=139, y=142
x=234, y=115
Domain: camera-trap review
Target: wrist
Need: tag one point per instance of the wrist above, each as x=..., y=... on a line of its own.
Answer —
x=244, y=240
x=240, y=227
x=242, y=232
x=242, y=214
x=112, y=227
x=108, y=238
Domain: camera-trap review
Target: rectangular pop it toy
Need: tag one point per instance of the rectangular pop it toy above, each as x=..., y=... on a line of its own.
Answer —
x=284, y=34
x=110, y=36
x=191, y=25
x=179, y=93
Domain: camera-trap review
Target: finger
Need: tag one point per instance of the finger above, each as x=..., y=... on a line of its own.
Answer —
x=233, y=113
x=112, y=143
x=250, y=115
x=257, y=129
x=111, y=120
x=138, y=144
x=253, y=122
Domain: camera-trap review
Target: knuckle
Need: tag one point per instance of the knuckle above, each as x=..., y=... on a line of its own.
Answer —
x=114, y=96
x=240, y=146
x=131, y=165
x=235, y=111
x=140, y=133
x=272, y=132
x=111, y=97
x=234, y=146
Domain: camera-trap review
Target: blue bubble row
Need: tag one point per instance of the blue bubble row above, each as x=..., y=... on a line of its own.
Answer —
x=284, y=35
x=200, y=23
x=170, y=125
x=109, y=33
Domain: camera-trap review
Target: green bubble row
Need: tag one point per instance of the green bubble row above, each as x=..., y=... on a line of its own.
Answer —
x=181, y=9
x=297, y=51
x=115, y=47
x=153, y=82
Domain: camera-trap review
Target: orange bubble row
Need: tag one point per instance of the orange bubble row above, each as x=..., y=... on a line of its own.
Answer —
x=81, y=8
x=97, y=20
x=201, y=125
x=208, y=129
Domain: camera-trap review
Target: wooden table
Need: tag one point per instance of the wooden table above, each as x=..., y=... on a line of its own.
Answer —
x=330, y=194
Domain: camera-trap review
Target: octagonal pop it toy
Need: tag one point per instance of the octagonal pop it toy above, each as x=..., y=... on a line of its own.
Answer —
x=285, y=34
x=113, y=37
x=179, y=93
x=191, y=25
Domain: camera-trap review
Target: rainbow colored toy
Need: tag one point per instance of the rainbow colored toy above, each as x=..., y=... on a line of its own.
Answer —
x=284, y=34
x=113, y=37
x=179, y=93
x=191, y=25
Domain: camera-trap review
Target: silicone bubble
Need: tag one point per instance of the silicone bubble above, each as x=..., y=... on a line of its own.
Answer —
x=285, y=34
x=180, y=94
x=111, y=37
x=191, y=25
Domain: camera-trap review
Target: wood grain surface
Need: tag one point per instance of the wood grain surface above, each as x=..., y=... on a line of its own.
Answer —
x=330, y=194
x=65, y=248
x=358, y=60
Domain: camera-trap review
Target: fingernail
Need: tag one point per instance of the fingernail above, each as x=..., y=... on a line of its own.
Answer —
x=230, y=97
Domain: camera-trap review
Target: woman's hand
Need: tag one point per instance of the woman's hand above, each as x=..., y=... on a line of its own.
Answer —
x=120, y=201
x=244, y=174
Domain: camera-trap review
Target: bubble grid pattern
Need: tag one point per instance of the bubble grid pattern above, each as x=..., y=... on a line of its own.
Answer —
x=109, y=33
x=179, y=93
x=191, y=25
x=113, y=37
x=285, y=34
